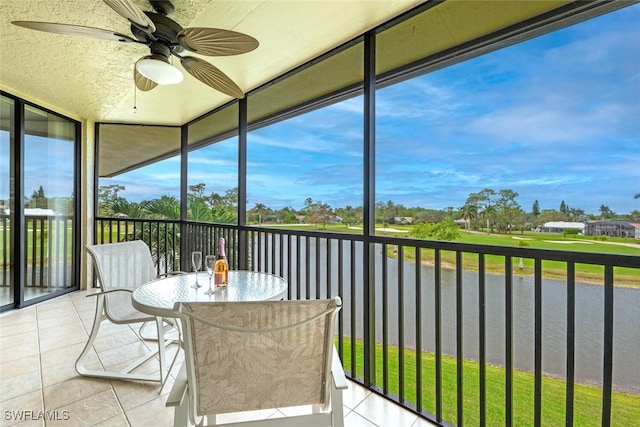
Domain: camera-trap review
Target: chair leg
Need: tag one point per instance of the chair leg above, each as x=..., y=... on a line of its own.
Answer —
x=161, y=348
x=337, y=408
x=122, y=375
x=97, y=319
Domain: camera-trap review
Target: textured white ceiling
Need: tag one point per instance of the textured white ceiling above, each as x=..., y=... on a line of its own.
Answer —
x=93, y=79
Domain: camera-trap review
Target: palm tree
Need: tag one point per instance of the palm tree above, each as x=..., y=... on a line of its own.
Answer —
x=489, y=213
x=166, y=207
x=123, y=208
x=469, y=213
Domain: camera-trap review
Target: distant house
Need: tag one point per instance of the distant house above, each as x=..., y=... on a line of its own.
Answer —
x=613, y=229
x=402, y=219
x=35, y=212
x=561, y=226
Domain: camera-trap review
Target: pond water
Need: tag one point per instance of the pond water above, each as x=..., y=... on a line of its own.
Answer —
x=589, y=333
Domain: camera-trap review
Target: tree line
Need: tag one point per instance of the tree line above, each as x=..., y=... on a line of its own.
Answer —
x=489, y=210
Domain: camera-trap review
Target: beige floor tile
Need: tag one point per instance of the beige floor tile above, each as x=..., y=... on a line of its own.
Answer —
x=24, y=419
x=38, y=370
x=19, y=346
x=354, y=394
x=56, y=308
x=57, y=321
x=61, y=355
x=136, y=393
x=65, y=393
x=86, y=310
x=109, y=342
x=8, y=330
x=58, y=337
x=353, y=419
x=384, y=413
x=151, y=414
x=421, y=422
x=12, y=368
x=107, y=328
x=117, y=421
x=88, y=411
x=18, y=321
x=54, y=303
x=20, y=385
x=118, y=358
x=67, y=370
x=19, y=409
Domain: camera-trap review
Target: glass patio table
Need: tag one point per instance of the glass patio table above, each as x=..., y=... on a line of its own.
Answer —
x=158, y=297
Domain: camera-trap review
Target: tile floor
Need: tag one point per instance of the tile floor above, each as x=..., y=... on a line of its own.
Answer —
x=38, y=348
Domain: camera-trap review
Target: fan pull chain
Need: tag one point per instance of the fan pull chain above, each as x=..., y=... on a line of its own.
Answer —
x=135, y=109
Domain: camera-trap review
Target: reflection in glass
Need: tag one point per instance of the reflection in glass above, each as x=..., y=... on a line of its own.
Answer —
x=6, y=191
x=49, y=147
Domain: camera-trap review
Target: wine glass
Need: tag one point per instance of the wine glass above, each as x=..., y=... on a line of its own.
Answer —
x=209, y=262
x=196, y=262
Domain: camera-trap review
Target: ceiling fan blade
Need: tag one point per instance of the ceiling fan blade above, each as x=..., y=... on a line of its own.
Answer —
x=143, y=83
x=75, y=30
x=210, y=75
x=131, y=12
x=216, y=42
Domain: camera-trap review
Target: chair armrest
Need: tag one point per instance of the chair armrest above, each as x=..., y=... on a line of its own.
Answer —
x=337, y=371
x=101, y=292
x=179, y=389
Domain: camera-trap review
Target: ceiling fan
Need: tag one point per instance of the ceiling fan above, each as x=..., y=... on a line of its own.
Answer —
x=165, y=38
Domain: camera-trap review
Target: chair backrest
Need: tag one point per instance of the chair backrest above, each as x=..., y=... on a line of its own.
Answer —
x=243, y=356
x=121, y=265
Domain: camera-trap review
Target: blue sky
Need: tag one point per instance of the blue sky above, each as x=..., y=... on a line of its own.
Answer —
x=555, y=119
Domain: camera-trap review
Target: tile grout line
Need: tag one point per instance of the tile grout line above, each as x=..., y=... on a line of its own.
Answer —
x=37, y=312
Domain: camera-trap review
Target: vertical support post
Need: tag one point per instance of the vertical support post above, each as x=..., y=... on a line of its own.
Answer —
x=17, y=220
x=369, y=207
x=184, y=171
x=243, y=242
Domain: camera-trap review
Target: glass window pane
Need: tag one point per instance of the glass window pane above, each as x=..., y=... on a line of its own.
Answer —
x=139, y=173
x=151, y=191
x=545, y=119
x=6, y=192
x=308, y=169
x=49, y=167
x=213, y=183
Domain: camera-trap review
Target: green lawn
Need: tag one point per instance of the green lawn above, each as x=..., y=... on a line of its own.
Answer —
x=586, y=273
x=587, y=402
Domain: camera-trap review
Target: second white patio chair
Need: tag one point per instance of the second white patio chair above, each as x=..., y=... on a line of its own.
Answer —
x=120, y=268
x=243, y=356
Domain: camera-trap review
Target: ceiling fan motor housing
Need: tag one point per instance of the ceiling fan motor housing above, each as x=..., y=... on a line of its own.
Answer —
x=166, y=32
x=163, y=7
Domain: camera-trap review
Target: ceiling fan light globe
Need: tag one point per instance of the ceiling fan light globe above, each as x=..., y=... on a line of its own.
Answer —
x=159, y=71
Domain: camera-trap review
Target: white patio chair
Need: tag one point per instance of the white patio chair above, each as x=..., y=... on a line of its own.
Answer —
x=243, y=356
x=120, y=268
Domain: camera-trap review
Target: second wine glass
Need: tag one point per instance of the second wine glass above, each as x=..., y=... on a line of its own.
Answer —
x=196, y=262
x=209, y=262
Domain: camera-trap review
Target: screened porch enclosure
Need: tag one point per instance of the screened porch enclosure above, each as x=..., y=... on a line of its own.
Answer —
x=477, y=116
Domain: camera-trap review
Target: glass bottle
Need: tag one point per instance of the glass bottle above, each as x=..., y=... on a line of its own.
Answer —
x=221, y=267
